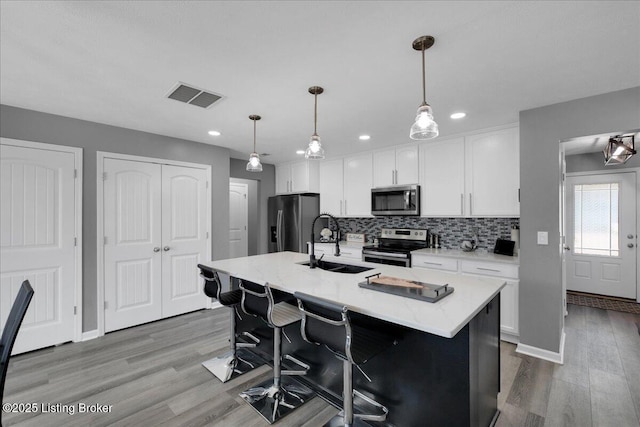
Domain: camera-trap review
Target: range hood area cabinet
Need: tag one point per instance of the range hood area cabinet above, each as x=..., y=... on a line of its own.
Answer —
x=345, y=186
x=474, y=176
x=397, y=166
x=297, y=177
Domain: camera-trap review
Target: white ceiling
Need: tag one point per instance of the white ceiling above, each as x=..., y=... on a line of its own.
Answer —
x=114, y=62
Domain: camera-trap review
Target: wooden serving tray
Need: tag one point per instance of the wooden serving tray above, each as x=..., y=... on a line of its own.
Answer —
x=407, y=288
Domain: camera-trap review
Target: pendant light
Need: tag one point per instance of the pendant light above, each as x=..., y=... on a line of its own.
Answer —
x=424, y=127
x=315, y=150
x=254, y=164
x=619, y=149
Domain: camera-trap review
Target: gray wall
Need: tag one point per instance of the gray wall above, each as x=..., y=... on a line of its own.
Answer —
x=541, y=129
x=253, y=219
x=595, y=162
x=35, y=126
x=266, y=188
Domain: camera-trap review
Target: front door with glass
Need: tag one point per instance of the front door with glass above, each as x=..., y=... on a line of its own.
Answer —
x=601, y=234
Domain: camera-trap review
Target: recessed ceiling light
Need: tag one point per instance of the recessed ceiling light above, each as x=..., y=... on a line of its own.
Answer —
x=300, y=152
x=458, y=115
x=364, y=137
x=214, y=133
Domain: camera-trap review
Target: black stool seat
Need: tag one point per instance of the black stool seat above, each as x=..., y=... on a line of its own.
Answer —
x=237, y=361
x=352, y=337
x=277, y=397
x=230, y=298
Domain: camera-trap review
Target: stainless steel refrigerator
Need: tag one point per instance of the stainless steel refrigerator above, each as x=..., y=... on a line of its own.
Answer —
x=290, y=218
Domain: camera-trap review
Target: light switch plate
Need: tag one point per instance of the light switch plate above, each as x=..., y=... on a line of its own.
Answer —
x=543, y=237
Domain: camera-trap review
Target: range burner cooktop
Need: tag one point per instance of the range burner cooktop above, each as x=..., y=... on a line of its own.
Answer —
x=395, y=246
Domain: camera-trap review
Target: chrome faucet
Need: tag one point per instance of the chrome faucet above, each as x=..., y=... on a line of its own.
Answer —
x=312, y=256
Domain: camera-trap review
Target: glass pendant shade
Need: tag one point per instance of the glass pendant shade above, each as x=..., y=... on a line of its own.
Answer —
x=314, y=150
x=424, y=127
x=254, y=164
x=619, y=149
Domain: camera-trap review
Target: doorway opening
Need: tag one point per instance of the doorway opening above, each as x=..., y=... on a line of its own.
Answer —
x=244, y=216
x=599, y=211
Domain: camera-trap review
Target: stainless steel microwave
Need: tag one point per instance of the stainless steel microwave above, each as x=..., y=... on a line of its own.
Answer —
x=396, y=200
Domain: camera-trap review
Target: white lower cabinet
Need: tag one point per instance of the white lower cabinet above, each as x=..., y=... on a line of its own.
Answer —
x=509, y=299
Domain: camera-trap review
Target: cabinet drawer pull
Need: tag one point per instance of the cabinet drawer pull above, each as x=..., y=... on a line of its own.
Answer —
x=487, y=269
x=431, y=263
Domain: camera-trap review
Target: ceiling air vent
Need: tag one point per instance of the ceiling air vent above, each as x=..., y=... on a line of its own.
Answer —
x=192, y=95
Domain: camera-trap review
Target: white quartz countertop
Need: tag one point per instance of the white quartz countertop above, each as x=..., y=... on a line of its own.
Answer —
x=477, y=255
x=282, y=270
x=343, y=244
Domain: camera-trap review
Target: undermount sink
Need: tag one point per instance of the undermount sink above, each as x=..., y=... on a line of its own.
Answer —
x=337, y=267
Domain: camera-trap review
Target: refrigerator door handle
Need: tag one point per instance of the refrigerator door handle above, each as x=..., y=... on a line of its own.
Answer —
x=279, y=231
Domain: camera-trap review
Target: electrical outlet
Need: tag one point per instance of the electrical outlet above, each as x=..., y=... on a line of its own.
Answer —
x=543, y=237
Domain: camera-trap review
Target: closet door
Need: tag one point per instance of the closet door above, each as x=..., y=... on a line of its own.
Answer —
x=184, y=238
x=132, y=247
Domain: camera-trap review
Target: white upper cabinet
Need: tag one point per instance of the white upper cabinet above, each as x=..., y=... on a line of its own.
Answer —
x=442, y=178
x=395, y=166
x=331, y=184
x=358, y=180
x=478, y=175
x=493, y=173
x=297, y=177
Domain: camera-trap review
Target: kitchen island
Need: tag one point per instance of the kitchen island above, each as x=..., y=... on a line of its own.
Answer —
x=445, y=369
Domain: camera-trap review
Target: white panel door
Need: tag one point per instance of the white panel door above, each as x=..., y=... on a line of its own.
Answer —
x=37, y=202
x=238, y=220
x=184, y=238
x=442, y=168
x=602, y=234
x=132, y=251
x=331, y=194
x=358, y=180
x=493, y=178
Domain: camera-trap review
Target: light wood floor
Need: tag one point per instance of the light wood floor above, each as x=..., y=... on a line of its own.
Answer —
x=151, y=375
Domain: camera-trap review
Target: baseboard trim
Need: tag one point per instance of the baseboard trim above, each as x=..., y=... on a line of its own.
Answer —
x=513, y=339
x=90, y=335
x=540, y=353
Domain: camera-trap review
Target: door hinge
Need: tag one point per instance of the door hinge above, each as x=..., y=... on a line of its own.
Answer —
x=75, y=173
x=75, y=241
x=104, y=240
x=75, y=310
x=106, y=305
x=206, y=184
x=245, y=196
x=518, y=195
x=207, y=234
x=104, y=176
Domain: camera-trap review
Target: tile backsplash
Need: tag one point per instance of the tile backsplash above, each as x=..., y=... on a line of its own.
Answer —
x=452, y=231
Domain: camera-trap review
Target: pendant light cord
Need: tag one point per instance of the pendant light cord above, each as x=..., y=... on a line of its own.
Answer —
x=254, y=135
x=424, y=85
x=315, y=113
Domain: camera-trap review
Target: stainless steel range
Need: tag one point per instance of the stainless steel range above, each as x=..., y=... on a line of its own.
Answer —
x=395, y=245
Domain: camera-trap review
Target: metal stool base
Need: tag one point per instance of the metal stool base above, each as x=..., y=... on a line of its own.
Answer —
x=338, y=421
x=229, y=366
x=273, y=402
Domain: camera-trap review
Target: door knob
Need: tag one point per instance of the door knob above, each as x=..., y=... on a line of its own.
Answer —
x=567, y=248
x=166, y=248
x=630, y=245
x=156, y=249
x=630, y=236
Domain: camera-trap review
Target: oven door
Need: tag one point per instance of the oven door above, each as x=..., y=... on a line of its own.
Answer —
x=397, y=200
x=386, y=258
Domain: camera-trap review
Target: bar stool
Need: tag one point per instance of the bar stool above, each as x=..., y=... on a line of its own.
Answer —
x=234, y=362
x=277, y=397
x=331, y=324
